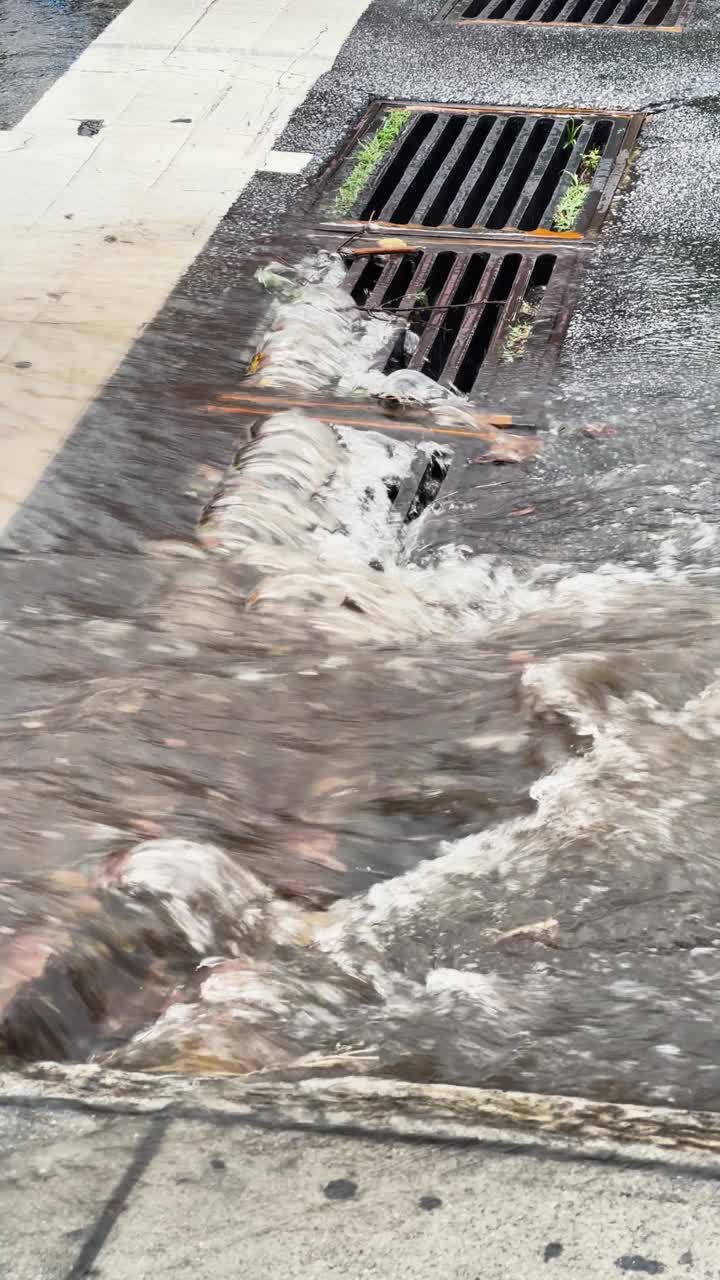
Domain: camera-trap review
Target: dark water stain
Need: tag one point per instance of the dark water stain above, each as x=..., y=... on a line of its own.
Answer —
x=552, y=1250
x=635, y=1262
x=429, y=1203
x=340, y=1189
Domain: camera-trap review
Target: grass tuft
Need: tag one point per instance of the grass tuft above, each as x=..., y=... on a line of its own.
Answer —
x=591, y=160
x=369, y=157
x=570, y=207
x=518, y=334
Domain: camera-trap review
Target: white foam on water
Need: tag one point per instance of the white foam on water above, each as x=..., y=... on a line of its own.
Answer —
x=307, y=506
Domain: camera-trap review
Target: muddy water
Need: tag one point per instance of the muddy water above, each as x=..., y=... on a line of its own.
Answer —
x=354, y=782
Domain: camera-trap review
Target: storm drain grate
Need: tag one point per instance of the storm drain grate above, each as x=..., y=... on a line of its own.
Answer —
x=492, y=169
x=472, y=315
x=669, y=15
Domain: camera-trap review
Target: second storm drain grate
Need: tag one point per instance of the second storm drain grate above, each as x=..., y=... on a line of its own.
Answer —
x=628, y=15
x=474, y=316
x=486, y=169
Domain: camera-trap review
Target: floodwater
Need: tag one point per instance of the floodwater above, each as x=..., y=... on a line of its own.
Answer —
x=404, y=779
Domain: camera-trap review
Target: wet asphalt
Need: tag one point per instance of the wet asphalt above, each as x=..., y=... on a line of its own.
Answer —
x=39, y=39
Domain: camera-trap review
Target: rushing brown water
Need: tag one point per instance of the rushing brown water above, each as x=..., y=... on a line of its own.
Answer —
x=345, y=791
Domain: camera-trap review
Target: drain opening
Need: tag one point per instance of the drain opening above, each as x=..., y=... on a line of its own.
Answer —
x=469, y=312
x=417, y=490
x=634, y=14
x=499, y=170
x=430, y=484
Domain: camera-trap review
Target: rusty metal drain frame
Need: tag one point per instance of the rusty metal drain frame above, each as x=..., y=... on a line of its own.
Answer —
x=452, y=13
x=494, y=379
x=257, y=403
x=598, y=201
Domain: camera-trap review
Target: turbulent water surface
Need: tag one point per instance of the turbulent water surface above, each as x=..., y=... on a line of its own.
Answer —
x=341, y=784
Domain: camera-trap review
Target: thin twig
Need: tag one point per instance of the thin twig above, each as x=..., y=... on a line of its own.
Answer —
x=449, y=306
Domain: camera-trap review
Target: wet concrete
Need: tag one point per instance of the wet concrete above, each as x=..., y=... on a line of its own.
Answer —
x=185, y=1195
x=38, y=41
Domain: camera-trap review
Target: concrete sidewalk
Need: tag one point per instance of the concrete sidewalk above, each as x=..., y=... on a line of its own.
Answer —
x=123, y=1177
x=184, y=101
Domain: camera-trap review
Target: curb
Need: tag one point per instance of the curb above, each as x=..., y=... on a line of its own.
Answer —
x=578, y=1127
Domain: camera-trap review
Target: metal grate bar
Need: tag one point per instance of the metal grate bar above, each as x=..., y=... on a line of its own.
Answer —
x=610, y=14
x=419, y=280
x=354, y=275
x=541, y=10
x=471, y=319
x=436, y=200
x=401, y=204
x=591, y=17
x=380, y=296
x=610, y=169
x=501, y=169
x=543, y=194
x=566, y=174
x=553, y=314
x=641, y=10
x=478, y=179
x=399, y=157
x=512, y=12
x=437, y=317
x=668, y=13
x=630, y=12
x=489, y=145
x=572, y=11
x=473, y=9
x=507, y=319
x=549, y=10
x=516, y=155
x=462, y=304
x=525, y=198
x=641, y=18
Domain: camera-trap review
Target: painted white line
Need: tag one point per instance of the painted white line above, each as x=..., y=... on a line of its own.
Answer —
x=95, y=231
x=287, y=161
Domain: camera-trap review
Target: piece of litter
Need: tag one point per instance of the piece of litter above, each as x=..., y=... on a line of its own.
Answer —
x=88, y=128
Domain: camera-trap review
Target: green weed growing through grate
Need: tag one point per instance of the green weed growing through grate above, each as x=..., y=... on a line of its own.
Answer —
x=369, y=157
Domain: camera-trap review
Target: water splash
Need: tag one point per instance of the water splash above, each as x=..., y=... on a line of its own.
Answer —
x=433, y=797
